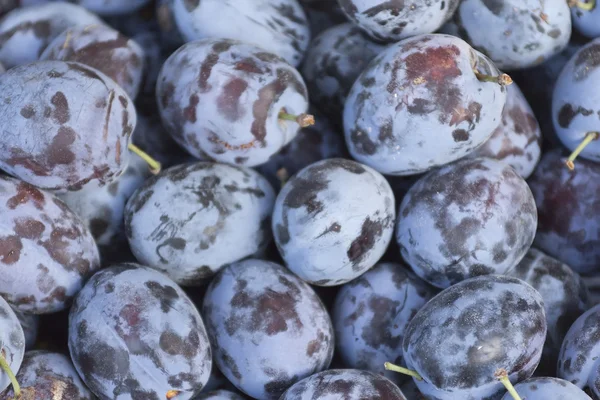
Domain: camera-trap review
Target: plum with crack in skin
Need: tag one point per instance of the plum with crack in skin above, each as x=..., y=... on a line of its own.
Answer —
x=517, y=140
x=48, y=376
x=333, y=221
x=133, y=333
x=46, y=252
x=575, y=100
x=25, y=32
x=65, y=124
x=542, y=388
x=191, y=220
x=344, y=384
x=278, y=26
x=103, y=48
x=578, y=361
x=565, y=299
x=268, y=328
x=333, y=62
x=462, y=336
x=221, y=99
x=391, y=21
x=515, y=34
x=569, y=214
x=473, y=217
x=12, y=341
x=419, y=104
x=370, y=315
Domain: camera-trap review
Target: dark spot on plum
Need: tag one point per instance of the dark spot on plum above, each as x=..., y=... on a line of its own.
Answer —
x=167, y=295
x=29, y=228
x=370, y=232
x=567, y=113
x=10, y=249
x=26, y=193
x=189, y=113
x=28, y=111
x=587, y=60
x=61, y=108
x=460, y=135
x=59, y=151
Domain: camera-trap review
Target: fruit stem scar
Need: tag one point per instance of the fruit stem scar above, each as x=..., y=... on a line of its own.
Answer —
x=502, y=376
x=13, y=380
x=589, y=137
x=304, y=120
x=172, y=393
x=152, y=163
x=588, y=5
x=392, y=367
x=502, y=79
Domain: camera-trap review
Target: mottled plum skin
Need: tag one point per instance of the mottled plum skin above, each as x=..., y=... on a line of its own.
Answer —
x=278, y=26
x=587, y=22
x=30, y=324
x=333, y=221
x=12, y=341
x=46, y=252
x=65, y=124
x=25, y=32
x=193, y=219
x=102, y=207
x=219, y=395
x=221, y=99
x=318, y=142
x=575, y=102
x=268, y=328
x=565, y=298
x=333, y=62
x=147, y=340
x=344, y=384
x=473, y=217
x=370, y=315
x=548, y=388
x=112, y=7
x=48, y=376
x=517, y=140
x=579, y=358
x=419, y=105
x=461, y=337
x=104, y=49
x=391, y=21
x=322, y=14
x=515, y=34
x=569, y=214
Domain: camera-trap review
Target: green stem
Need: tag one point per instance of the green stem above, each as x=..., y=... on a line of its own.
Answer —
x=588, y=5
x=502, y=79
x=589, y=137
x=502, y=376
x=304, y=120
x=402, y=370
x=13, y=380
x=152, y=163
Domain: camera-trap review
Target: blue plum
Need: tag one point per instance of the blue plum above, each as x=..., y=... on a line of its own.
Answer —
x=565, y=299
x=333, y=221
x=25, y=32
x=569, y=214
x=578, y=361
x=575, y=101
x=391, y=21
x=515, y=34
x=268, y=328
x=133, y=333
x=420, y=104
x=191, y=220
x=48, y=376
x=370, y=315
x=473, y=217
x=461, y=337
x=12, y=342
x=586, y=17
x=333, y=62
x=544, y=388
x=223, y=99
x=344, y=384
x=278, y=26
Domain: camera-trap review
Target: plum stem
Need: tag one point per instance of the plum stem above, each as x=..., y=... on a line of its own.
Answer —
x=171, y=394
x=396, y=368
x=589, y=137
x=304, y=120
x=283, y=175
x=152, y=163
x=502, y=376
x=588, y=5
x=502, y=79
x=13, y=380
